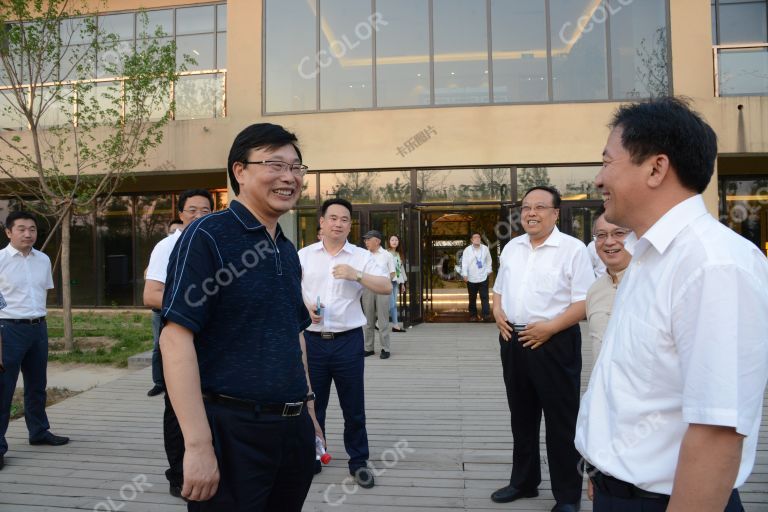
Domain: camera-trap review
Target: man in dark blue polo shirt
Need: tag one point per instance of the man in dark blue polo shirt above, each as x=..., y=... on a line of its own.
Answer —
x=233, y=355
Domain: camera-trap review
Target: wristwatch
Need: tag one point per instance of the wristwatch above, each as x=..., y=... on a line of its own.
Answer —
x=310, y=397
x=359, y=276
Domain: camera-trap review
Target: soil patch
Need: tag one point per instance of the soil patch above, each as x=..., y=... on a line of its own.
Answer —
x=83, y=343
x=54, y=395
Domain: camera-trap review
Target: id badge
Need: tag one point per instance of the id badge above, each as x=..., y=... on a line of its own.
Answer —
x=479, y=263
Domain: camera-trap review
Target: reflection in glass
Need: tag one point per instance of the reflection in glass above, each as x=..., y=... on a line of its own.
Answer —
x=402, y=53
x=366, y=187
x=158, y=19
x=120, y=25
x=308, y=224
x=346, y=47
x=81, y=260
x=193, y=20
x=10, y=118
x=309, y=190
x=743, y=72
x=519, y=51
x=153, y=214
x=746, y=209
x=221, y=51
x=221, y=18
x=461, y=51
x=291, y=64
x=579, y=67
x=743, y=22
x=115, y=237
x=109, y=62
x=574, y=183
x=199, y=96
x=462, y=185
x=639, y=51
x=199, y=48
x=101, y=97
x=60, y=110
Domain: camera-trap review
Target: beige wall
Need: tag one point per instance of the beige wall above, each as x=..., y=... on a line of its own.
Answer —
x=474, y=136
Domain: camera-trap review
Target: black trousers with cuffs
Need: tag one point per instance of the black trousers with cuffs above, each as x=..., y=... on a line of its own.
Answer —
x=546, y=380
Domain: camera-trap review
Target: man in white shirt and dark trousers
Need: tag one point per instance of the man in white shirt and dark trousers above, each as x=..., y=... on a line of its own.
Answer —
x=476, y=265
x=671, y=417
x=192, y=204
x=538, y=302
x=335, y=273
x=376, y=305
x=25, y=278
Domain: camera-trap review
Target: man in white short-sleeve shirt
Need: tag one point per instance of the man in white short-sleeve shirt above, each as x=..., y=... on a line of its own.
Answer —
x=671, y=416
x=538, y=301
x=376, y=305
x=334, y=275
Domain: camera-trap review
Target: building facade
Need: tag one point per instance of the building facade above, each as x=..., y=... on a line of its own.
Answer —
x=432, y=117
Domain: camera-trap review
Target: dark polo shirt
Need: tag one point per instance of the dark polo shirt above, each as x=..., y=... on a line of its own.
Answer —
x=239, y=292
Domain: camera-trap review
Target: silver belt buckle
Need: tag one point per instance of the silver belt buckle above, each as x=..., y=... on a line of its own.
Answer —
x=292, y=408
x=327, y=335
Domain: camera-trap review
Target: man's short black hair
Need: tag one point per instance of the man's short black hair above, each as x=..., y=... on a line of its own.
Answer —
x=669, y=126
x=336, y=200
x=476, y=233
x=192, y=192
x=14, y=216
x=259, y=135
x=175, y=221
x=556, y=199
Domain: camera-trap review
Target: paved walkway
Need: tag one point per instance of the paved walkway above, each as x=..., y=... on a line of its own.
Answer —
x=437, y=415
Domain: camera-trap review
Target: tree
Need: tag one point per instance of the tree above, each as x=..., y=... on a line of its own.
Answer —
x=91, y=109
x=531, y=177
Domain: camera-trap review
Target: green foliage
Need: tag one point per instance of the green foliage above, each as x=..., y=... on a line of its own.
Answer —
x=131, y=331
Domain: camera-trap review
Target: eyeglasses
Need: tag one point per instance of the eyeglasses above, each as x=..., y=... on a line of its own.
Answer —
x=195, y=211
x=278, y=167
x=617, y=234
x=539, y=208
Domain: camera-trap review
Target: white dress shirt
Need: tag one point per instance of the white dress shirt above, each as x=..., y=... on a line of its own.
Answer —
x=158, y=260
x=384, y=260
x=597, y=264
x=687, y=343
x=540, y=284
x=24, y=283
x=340, y=297
x=476, y=264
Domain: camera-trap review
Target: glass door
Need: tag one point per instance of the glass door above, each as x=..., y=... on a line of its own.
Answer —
x=412, y=239
x=577, y=217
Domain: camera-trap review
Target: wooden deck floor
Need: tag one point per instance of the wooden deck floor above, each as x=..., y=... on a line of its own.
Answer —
x=437, y=416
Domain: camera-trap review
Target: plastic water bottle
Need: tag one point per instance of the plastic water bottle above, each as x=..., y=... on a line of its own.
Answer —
x=320, y=453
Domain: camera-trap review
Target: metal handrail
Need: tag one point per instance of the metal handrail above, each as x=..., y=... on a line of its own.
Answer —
x=715, y=58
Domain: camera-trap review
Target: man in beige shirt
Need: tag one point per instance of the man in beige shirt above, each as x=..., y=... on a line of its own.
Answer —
x=609, y=244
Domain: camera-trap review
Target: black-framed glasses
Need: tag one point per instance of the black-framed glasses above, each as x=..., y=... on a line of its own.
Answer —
x=278, y=166
x=617, y=234
x=539, y=208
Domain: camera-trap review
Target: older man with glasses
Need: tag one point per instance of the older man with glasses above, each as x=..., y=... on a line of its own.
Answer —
x=609, y=245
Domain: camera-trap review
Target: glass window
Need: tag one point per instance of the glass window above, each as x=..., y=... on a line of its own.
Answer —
x=714, y=22
x=110, y=62
x=746, y=209
x=116, y=252
x=461, y=51
x=221, y=18
x=76, y=30
x=193, y=96
x=366, y=187
x=120, y=25
x=10, y=118
x=346, y=55
x=199, y=48
x=308, y=224
x=579, y=67
x=742, y=22
x=309, y=190
x=103, y=96
x=156, y=20
x=194, y=20
x=59, y=111
x=519, y=51
x=291, y=56
x=402, y=53
x=462, y=185
x=81, y=261
x=743, y=72
x=639, y=51
x=221, y=51
x=574, y=183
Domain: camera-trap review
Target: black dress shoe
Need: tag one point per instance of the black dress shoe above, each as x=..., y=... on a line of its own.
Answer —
x=175, y=491
x=2, y=461
x=50, y=439
x=363, y=477
x=511, y=493
x=368, y=353
x=566, y=507
x=156, y=390
x=384, y=354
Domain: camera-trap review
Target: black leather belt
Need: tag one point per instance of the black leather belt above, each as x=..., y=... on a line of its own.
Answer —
x=23, y=320
x=619, y=488
x=332, y=335
x=155, y=310
x=284, y=409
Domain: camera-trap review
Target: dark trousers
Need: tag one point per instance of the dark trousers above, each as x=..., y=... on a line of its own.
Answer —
x=605, y=503
x=157, y=361
x=545, y=379
x=266, y=461
x=174, y=445
x=25, y=349
x=341, y=360
x=472, y=289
